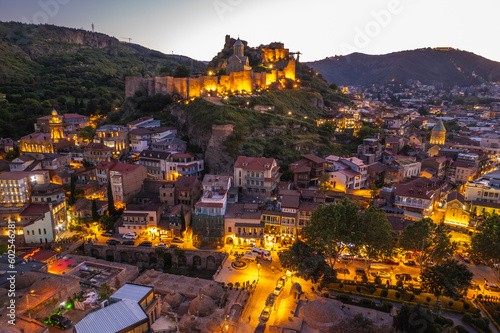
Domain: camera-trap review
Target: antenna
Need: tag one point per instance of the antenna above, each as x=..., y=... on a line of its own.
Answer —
x=92, y=26
x=128, y=38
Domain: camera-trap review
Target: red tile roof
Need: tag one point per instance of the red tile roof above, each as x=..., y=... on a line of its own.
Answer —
x=35, y=209
x=124, y=168
x=37, y=137
x=254, y=163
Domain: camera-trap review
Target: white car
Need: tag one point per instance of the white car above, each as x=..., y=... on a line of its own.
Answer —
x=161, y=245
x=130, y=236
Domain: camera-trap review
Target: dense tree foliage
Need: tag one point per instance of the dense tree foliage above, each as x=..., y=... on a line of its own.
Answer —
x=305, y=261
x=414, y=318
x=449, y=278
x=485, y=243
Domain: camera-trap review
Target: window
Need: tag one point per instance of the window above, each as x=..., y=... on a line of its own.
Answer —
x=27, y=232
x=229, y=229
x=44, y=231
x=151, y=218
x=39, y=232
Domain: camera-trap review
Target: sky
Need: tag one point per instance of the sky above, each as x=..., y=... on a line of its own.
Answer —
x=316, y=28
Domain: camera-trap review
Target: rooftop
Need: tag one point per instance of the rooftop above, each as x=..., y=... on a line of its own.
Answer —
x=132, y=292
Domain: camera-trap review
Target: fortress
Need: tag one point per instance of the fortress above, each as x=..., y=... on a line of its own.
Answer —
x=278, y=64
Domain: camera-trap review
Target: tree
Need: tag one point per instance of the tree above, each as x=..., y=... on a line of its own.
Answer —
x=434, y=240
x=324, y=183
x=305, y=261
x=104, y=291
x=13, y=153
x=333, y=229
x=111, y=200
x=377, y=234
x=414, y=319
x=95, y=214
x=183, y=220
x=449, y=278
x=87, y=133
x=72, y=191
x=182, y=71
x=373, y=192
x=485, y=243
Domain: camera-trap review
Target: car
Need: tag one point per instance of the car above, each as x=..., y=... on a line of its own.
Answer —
x=492, y=287
x=265, y=314
x=130, y=235
x=359, y=257
x=270, y=299
x=345, y=261
x=60, y=321
x=260, y=328
x=391, y=262
x=342, y=271
x=177, y=240
x=277, y=290
x=161, y=245
x=410, y=263
x=107, y=234
x=381, y=274
x=474, y=286
x=146, y=244
x=129, y=242
x=173, y=246
x=476, y=261
x=464, y=257
x=360, y=271
x=113, y=242
x=403, y=277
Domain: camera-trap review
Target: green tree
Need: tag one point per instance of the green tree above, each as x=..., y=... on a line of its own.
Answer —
x=324, y=183
x=95, y=214
x=104, y=291
x=305, y=261
x=373, y=192
x=72, y=191
x=13, y=153
x=87, y=133
x=111, y=200
x=485, y=243
x=182, y=71
x=332, y=228
x=377, y=236
x=449, y=278
x=414, y=319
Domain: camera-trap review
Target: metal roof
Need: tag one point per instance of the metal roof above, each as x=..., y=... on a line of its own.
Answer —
x=131, y=292
x=113, y=318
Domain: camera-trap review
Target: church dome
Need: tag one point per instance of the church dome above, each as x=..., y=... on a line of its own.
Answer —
x=238, y=42
x=54, y=112
x=439, y=127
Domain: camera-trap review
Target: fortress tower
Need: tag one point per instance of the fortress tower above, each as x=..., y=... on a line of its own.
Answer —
x=238, y=62
x=438, y=134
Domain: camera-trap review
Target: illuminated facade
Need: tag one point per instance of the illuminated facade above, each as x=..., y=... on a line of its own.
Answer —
x=455, y=213
x=114, y=137
x=15, y=187
x=37, y=143
x=438, y=134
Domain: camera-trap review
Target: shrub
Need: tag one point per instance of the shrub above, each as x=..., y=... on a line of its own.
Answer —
x=230, y=285
x=398, y=294
x=480, y=323
x=378, y=280
x=480, y=296
x=486, y=320
x=358, y=289
x=417, y=291
x=466, y=305
x=364, y=279
x=367, y=303
x=387, y=307
x=450, y=303
x=428, y=299
x=384, y=293
x=412, y=297
x=345, y=299
x=341, y=285
x=444, y=321
x=460, y=329
x=467, y=318
x=326, y=295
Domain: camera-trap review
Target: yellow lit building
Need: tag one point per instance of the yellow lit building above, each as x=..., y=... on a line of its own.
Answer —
x=438, y=134
x=37, y=143
x=455, y=213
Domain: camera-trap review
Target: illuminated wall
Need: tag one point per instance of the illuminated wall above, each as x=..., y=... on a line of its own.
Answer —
x=456, y=214
x=438, y=138
x=273, y=55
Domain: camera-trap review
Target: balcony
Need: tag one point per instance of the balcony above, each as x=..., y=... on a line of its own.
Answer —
x=259, y=178
x=249, y=235
x=408, y=203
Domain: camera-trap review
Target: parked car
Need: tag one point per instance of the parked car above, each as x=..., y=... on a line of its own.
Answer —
x=391, y=262
x=260, y=328
x=359, y=257
x=492, y=287
x=360, y=271
x=410, y=263
x=345, y=261
x=464, y=257
x=474, y=286
x=130, y=235
x=177, y=240
x=161, y=245
x=173, y=246
x=403, y=277
x=270, y=299
x=113, y=242
x=107, y=234
x=277, y=290
x=129, y=242
x=477, y=261
x=382, y=274
x=60, y=321
x=342, y=270
x=146, y=244
x=265, y=314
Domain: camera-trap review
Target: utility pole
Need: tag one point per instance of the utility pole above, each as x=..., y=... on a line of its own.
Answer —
x=92, y=26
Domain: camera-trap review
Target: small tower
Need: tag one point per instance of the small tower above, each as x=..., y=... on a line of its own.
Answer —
x=438, y=134
x=238, y=48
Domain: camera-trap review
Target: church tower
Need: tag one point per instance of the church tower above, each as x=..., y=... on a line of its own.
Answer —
x=438, y=134
x=238, y=48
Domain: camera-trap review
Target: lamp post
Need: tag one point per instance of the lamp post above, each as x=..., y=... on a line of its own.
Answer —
x=31, y=293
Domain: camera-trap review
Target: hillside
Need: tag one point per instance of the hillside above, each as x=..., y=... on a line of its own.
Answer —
x=45, y=66
x=451, y=67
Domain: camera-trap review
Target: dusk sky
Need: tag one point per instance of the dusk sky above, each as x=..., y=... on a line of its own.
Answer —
x=318, y=29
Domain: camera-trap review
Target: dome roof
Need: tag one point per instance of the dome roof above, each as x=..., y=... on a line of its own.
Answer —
x=213, y=290
x=322, y=313
x=202, y=306
x=439, y=127
x=238, y=42
x=9, y=329
x=54, y=112
x=26, y=279
x=173, y=298
x=190, y=322
x=213, y=326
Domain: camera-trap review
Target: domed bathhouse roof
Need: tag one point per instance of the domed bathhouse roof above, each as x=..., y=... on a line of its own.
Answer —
x=322, y=314
x=202, y=306
x=173, y=298
x=213, y=290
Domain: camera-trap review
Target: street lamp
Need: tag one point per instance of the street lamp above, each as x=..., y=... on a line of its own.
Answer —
x=31, y=293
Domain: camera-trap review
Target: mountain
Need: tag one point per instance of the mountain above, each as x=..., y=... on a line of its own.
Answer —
x=447, y=66
x=73, y=70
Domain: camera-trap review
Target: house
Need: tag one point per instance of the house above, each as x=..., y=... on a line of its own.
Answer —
x=15, y=187
x=370, y=151
x=82, y=208
x=132, y=308
x=37, y=142
x=479, y=208
x=483, y=189
x=44, y=223
x=243, y=225
x=114, y=137
x=141, y=218
x=456, y=213
x=307, y=170
x=417, y=196
x=155, y=163
x=394, y=144
x=436, y=163
x=95, y=153
x=348, y=173
x=257, y=176
x=126, y=181
x=187, y=190
x=143, y=122
x=461, y=172
x=175, y=216
x=141, y=138
x=183, y=164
